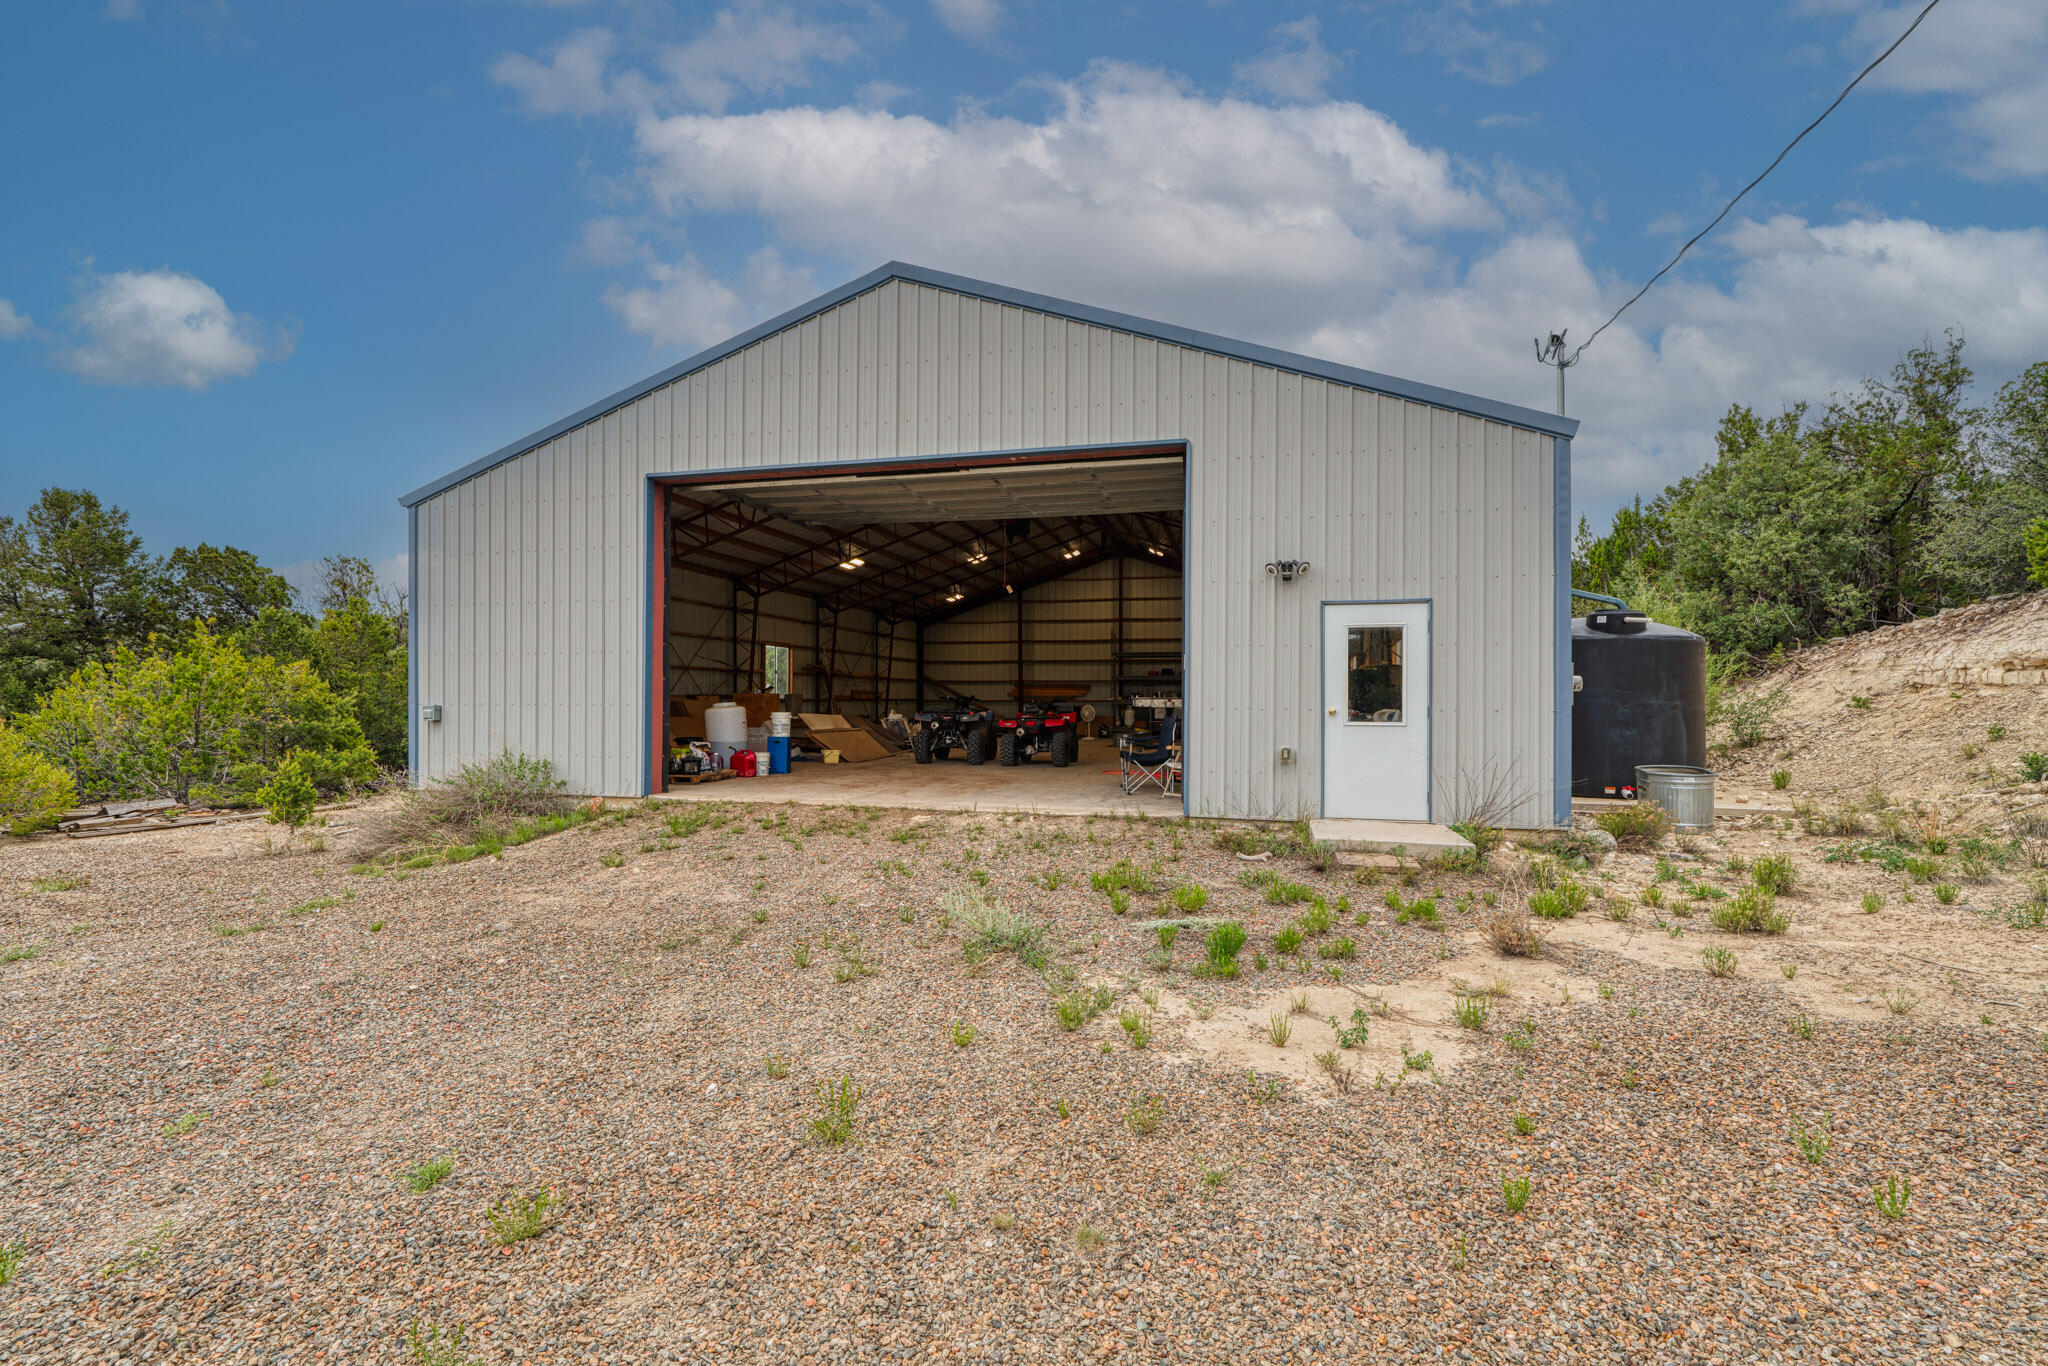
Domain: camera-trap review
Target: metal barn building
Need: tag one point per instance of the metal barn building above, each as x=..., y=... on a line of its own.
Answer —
x=919, y=486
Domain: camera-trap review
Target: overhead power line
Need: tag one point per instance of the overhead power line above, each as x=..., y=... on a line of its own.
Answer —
x=1552, y=353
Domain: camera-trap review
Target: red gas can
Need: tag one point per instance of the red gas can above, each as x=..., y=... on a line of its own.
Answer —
x=743, y=762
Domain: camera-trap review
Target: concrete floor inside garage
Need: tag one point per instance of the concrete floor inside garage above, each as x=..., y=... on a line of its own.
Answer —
x=1087, y=787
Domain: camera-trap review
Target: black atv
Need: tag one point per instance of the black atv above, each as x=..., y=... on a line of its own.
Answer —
x=966, y=726
x=1055, y=729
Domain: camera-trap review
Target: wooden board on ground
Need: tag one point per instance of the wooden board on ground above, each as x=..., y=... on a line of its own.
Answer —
x=833, y=731
x=715, y=775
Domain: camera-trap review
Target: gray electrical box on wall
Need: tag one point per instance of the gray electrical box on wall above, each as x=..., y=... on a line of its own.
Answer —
x=1286, y=754
x=430, y=711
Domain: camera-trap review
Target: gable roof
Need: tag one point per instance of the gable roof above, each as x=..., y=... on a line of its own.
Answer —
x=1510, y=413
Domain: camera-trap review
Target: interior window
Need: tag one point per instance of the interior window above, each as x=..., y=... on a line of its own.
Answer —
x=776, y=669
x=1375, y=675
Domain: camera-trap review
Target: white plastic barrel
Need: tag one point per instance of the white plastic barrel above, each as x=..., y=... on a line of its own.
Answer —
x=725, y=729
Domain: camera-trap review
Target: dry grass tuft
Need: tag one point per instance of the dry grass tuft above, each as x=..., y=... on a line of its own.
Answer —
x=1512, y=934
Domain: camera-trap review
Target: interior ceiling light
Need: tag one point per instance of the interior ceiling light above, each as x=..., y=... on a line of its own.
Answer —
x=1072, y=552
x=853, y=560
x=976, y=555
x=954, y=594
x=1155, y=550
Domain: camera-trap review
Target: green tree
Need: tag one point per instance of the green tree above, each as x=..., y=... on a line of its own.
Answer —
x=288, y=797
x=203, y=722
x=74, y=586
x=227, y=588
x=33, y=791
x=1981, y=548
x=360, y=652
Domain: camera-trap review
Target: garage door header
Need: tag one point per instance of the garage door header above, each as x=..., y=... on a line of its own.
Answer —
x=1512, y=414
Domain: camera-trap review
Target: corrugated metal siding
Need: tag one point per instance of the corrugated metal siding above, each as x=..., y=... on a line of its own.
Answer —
x=1070, y=632
x=532, y=575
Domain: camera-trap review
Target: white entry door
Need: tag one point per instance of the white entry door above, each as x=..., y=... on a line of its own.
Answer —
x=1376, y=710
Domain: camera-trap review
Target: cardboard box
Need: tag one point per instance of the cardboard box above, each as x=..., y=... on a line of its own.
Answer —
x=833, y=731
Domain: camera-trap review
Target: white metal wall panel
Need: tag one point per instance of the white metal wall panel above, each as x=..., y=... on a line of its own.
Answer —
x=532, y=576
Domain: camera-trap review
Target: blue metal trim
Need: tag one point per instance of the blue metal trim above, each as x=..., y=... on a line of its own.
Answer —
x=1510, y=413
x=648, y=757
x=1561, y=760
x=412, y=647
x=1323, y=694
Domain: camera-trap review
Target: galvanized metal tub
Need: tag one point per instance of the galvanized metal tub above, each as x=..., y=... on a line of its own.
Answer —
x=1684, y=791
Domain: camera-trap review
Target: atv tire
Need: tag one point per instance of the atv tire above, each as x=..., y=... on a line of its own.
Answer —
x=976, y=742
x=1006, y=749
x=921, y=745
x=1062, y=747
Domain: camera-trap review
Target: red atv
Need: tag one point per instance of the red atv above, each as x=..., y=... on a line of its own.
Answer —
x=1054, y=728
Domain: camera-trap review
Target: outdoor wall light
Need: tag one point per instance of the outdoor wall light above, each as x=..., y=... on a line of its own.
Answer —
x=1288, y=570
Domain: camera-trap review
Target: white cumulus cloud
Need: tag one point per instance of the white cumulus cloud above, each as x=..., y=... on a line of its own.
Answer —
x=752, y=49
x=1989, y=56
x=682, y=304
x=13, y=322
x=1296, y=66
x=162, y=327
x=1318, y=225
x=976, y=20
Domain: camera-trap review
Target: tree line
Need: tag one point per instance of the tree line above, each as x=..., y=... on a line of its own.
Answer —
x=1896, y=500
x=193, y=677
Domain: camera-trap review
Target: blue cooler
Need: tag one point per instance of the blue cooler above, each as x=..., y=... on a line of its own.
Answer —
x=778, y=754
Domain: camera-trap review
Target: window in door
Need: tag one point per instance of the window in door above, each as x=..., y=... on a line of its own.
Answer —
x=1374, y=671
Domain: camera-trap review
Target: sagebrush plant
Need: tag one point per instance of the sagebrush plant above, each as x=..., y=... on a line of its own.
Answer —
x=989, y=925
x=1560, y=902
x=1773, y=873
x=1512, y=934
x=1753, y=910
x=507, y=800
x=1641, y=826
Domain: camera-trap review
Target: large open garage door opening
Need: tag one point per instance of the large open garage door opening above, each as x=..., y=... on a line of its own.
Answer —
x=1032, y=601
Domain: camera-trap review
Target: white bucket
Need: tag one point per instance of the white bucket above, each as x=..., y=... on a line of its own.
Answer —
x=778, y=723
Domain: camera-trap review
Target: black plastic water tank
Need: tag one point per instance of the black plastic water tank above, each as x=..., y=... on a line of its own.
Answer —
x=1642, y=700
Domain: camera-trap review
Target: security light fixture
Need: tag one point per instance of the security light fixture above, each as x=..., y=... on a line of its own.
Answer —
x=1288, y=570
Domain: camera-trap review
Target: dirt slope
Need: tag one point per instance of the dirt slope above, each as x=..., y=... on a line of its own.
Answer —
x=1939, y=691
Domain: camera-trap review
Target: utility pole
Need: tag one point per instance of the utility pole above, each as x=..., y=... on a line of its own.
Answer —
x=1553, y=353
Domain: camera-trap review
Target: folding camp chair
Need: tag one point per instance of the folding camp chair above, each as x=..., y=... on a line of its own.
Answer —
x=1160, y=765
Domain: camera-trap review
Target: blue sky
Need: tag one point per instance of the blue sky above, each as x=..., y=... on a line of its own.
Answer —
x=266, y=266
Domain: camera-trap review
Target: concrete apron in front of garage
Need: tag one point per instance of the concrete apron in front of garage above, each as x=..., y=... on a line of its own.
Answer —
x=1090, y=786
x=1420, y=839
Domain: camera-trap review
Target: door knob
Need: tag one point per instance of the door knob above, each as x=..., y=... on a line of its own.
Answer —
x=1333, y=711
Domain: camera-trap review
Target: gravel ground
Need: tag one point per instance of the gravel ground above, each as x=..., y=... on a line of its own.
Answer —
x=556, y=1021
